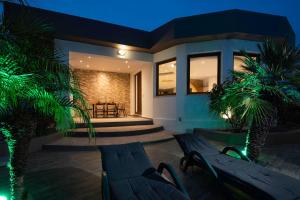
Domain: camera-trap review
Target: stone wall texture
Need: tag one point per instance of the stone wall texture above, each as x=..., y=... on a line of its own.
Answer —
x=99, y=86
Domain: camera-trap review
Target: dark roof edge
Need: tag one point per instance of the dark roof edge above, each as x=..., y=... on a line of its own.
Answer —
x=173, y=32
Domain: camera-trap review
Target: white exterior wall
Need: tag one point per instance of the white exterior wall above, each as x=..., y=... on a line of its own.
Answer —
x=164, y=107
x=180, y=112
x=184, y=112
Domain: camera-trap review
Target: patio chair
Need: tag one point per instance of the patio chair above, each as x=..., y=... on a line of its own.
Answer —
x=254, y=180
x=111, y=110
x=129, y=174
x=121, y=110
x=100, y=110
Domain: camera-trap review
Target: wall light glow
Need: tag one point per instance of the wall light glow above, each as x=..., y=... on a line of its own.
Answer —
x=227, y=115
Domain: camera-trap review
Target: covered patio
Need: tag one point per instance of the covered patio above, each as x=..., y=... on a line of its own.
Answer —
x=114, y=87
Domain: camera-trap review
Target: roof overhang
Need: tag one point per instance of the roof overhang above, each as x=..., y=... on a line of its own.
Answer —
x=231, y=24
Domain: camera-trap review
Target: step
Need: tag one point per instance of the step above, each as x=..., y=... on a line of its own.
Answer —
x=114, y=122
x=84, y=144
x=121, y=131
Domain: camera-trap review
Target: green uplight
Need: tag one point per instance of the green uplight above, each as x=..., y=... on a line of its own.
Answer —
x=244, y=152
x=2, y=197
x=246, y=145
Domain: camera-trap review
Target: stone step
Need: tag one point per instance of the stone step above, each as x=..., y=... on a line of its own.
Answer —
x=115, y=122
x=84, y=144
x=120, y=131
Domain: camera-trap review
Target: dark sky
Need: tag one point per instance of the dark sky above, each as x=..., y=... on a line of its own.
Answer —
x=147, y=15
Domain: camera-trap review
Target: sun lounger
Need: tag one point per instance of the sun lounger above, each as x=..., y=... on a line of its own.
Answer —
x=253, y=179
x=129, y=175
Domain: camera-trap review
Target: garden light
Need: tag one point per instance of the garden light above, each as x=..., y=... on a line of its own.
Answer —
x=2, y=197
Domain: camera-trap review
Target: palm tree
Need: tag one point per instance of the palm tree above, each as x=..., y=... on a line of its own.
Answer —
x=280, y=60
x=255, y=95
x=223, y=108
x=35, y=85
x=253, y=92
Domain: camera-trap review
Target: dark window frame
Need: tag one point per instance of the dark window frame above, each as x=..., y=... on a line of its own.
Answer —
x=157, y=76
x=199, y=55
x=251, y=54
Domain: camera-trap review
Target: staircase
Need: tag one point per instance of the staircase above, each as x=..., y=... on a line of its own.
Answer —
x=117, y=131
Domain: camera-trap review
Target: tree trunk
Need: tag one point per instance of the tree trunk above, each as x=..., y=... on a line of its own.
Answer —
x=254, y=144
x=258, y=134
x=22, y=131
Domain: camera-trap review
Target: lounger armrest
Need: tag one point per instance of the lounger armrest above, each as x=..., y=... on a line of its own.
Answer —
x=234, y=149
x=206, y=164
x=174, y=176
x=105, y=187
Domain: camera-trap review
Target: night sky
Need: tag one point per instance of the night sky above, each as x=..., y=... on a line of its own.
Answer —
x=148, y=15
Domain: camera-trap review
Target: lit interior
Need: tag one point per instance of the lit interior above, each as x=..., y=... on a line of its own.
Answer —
x=238, y=63
x=167, y=78
x=203, y=73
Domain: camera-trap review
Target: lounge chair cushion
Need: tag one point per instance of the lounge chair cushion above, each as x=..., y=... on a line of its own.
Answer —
x=124, y=161
x=146, y=187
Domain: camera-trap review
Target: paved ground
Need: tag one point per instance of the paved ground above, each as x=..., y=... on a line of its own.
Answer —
x=76, y=175
x=282, y=158
x=86, y=143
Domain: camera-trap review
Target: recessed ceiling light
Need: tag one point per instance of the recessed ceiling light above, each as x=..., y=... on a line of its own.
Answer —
x=89, y=57
x=173, y=65
x=81, y=61
x=122, y=52
x=87, y=66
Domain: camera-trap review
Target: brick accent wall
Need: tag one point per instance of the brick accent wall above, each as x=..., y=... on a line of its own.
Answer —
x=105, y=86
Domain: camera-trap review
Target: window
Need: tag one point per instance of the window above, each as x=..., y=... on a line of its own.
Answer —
x=166, y=77
x=203, y=72
x=238, y=61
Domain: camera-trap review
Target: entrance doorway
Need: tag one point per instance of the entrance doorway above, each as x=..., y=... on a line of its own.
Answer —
x=138, y=93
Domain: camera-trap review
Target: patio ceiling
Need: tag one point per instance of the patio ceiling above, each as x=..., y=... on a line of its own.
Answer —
x=104, y=63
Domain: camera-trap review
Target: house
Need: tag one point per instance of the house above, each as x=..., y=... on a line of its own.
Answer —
x=164, y=74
